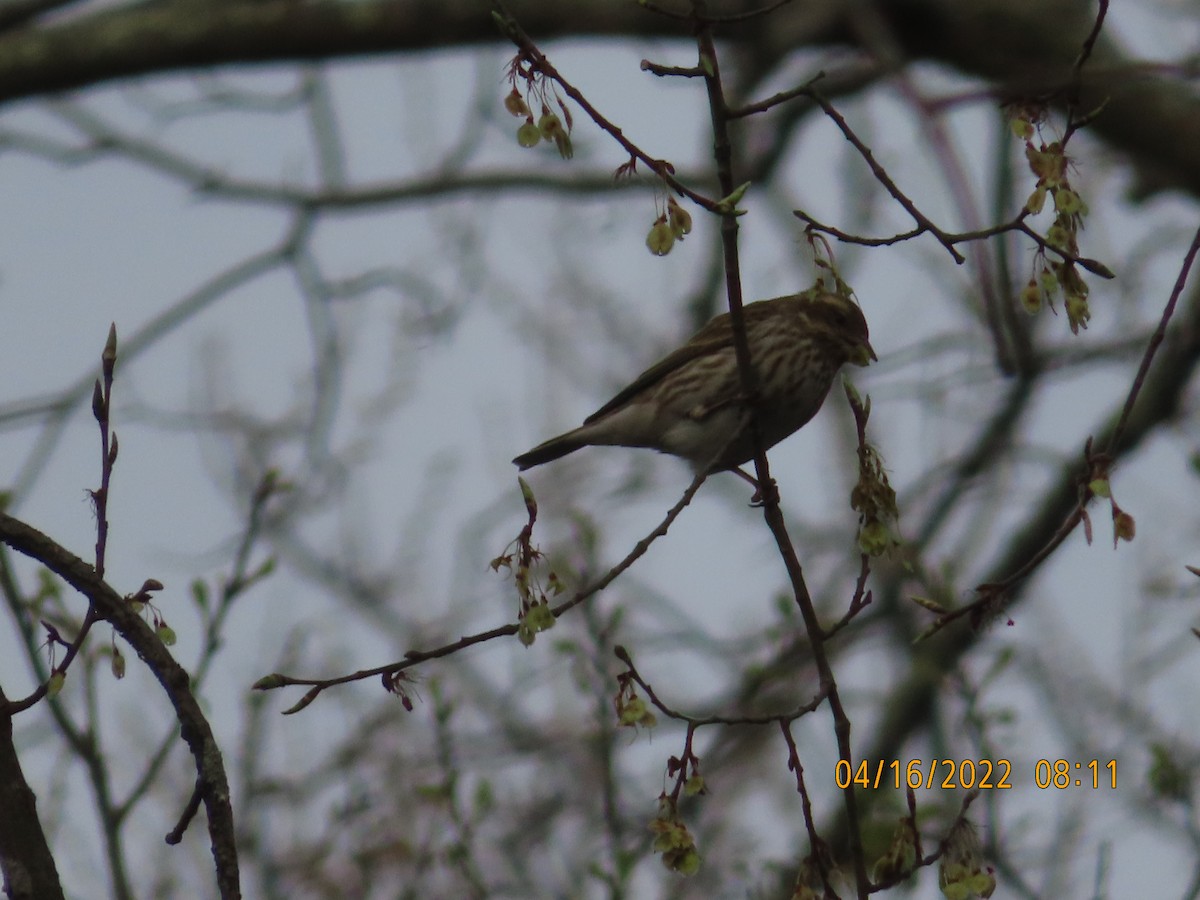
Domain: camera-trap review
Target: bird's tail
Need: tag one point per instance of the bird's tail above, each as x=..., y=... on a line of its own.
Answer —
x=550, y=450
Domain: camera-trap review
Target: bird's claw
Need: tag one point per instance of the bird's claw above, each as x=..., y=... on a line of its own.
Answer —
x=763, y=496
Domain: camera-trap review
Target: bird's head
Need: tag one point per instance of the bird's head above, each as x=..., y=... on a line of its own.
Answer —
x=841, y=321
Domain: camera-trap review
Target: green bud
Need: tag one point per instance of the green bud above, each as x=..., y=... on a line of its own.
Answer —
x=109, y=355
x=1059, y=236
x=562, y=141
x=1022, y=128
x=925, y=603
x=515, y=104
x=1036, y=201
x=268, y=683
x=1048, y=280
x=550, y=126
x=686, y=862
x=540, y=618
x=1124, y=528
x=729, y=204
x=1077, y=311
x=55, y=684
x=303, y=702
x=528, y=135
x=661, y=239
x=632, y=712
x=200, y=593
x=1067, y=202
x=874, y=538
x=525, y=634
x=1031, y=297
x=679, y=218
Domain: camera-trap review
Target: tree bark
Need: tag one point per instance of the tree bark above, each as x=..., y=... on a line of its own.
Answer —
x=25, y=857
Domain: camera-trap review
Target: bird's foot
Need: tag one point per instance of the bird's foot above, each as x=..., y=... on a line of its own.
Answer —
x=761, y=495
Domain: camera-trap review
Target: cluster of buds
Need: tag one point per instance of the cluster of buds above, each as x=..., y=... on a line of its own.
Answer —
x=534, y=614
x=900, y=858
x=1124, y=526
x=58, y=677
x=140, y=602
x=549, y=127
x=523, y=560
x=873, y=497
x=396, y=683
x=809, y=884
x=1097, y=484
x=961, y=872
x=118, y=660
x=1050, y=164
x=673, y=840
x=672, y=225
x=687, y=770
x=632, y=710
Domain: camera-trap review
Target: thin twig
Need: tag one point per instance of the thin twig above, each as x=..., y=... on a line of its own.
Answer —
x=413, y=657
x=663, y=169
x=670, y=712
x=1155, y=340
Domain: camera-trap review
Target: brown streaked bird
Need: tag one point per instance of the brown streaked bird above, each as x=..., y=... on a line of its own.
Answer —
x=690, y=403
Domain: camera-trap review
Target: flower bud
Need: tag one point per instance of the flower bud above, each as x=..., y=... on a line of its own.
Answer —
x=525, y=634
x=1059, y=236
x=1077, y=311
x=1124, y=528
x=515, y=104
x=679, y=218
x=1067, y=202
x=874, y=538
x=528, y=134
x=550, y=126
x=1031, y=297
x=562, y=141
x=539, y=617
x=1021, y=127
x=631, y=712
x=1048, y=280
x=55, y=684
x=661, y=238
x=1037, y=200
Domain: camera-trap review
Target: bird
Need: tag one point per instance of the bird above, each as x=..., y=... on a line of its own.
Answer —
x=691, y=403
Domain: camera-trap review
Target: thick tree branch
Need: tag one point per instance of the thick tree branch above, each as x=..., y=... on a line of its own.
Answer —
x=908, y=707
x=1021, y=48
x=25, y=858
x=113, y=608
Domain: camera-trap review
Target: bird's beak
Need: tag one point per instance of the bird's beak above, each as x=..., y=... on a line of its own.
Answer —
x=864, y=354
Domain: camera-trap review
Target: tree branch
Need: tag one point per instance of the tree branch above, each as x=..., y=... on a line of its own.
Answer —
x=195, y=730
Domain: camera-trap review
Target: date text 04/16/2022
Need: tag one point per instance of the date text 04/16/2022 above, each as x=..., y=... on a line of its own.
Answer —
x=984, y=774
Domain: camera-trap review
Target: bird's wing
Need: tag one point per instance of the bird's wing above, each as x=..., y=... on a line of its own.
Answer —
x=716, y=335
